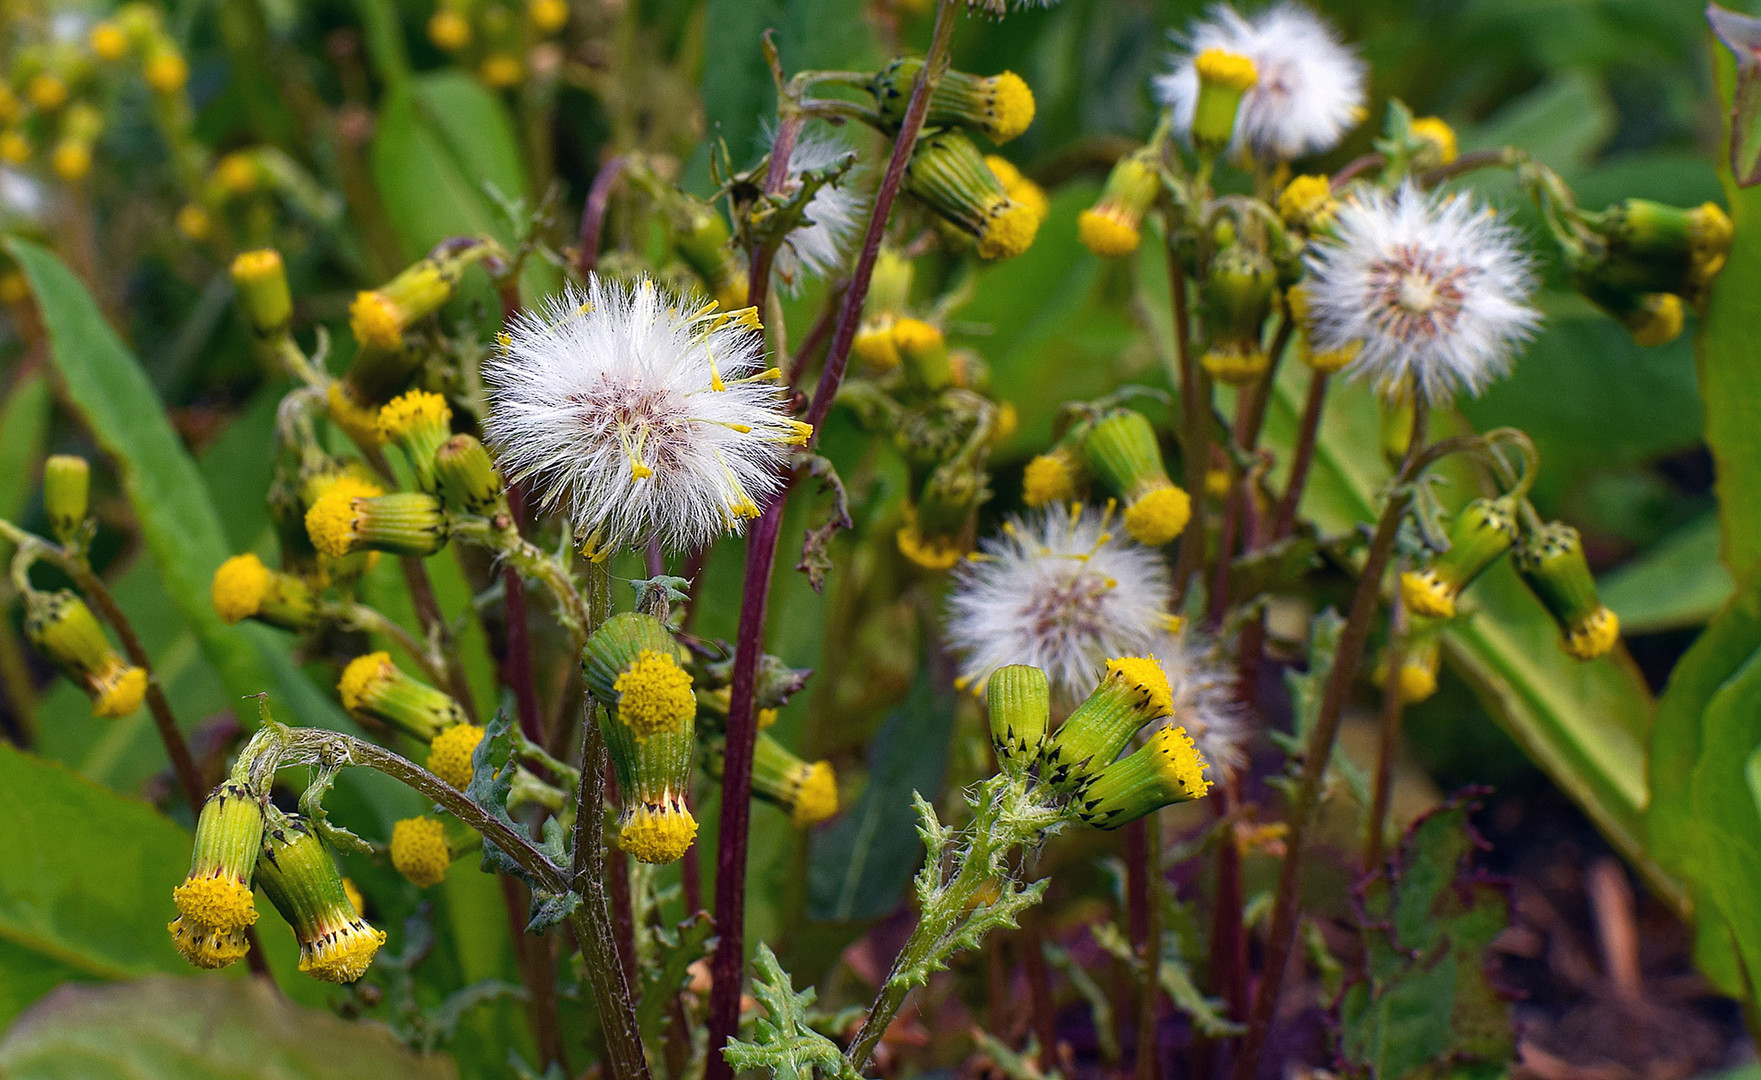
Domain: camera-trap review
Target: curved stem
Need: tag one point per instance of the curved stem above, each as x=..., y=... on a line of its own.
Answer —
x=354, y=615
x=1281, y=939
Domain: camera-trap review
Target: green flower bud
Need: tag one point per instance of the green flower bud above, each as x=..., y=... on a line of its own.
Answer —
x=938, y=527
x=1166, y=769
x=1481, y=533
x=67, y=486
x=61, y=627
x=806, y=791
x=948, y=175
x=631, y=663
x=1122, y=453
x=417, y=422
x=403, y=523
x=704, y=241
x=467, y=479
x=263, y=293
x=1653, y=247
x=299, y=876
x=374, y=688
x=214, y=903
x=1020, y=703
x=1551, y=562
x=1133, y=692
x=1223, y=77
x=1238, y=295
x=1113, y=226
x=998, y=106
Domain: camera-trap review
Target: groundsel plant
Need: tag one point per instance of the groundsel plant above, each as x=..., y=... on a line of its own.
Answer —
x=542, y=508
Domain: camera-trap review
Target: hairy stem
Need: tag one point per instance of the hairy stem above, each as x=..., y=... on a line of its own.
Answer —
x=1281, y=938
x=1195, y=426
x=730, y=885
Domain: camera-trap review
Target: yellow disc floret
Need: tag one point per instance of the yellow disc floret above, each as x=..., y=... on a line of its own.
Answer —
x=658, y=834
x=654, y=695
x=548, y=16
x=1179, y=761
x=1048, y=479
x=108, y=41
x=1307, y=202
x=47, y=92
x=1144, y=673
x=71, y=161
x=1437, y=132
x=331, y=524
x=342, y=954
x=362, y=676
x=449, y=756
x=1235, y=365
x=376, y=320
x=449, y=30
x=1417, y=682
x=419, y=851
x=1012, y=107
x=408, y=411
x=931, y=553
x=1427, y=594
x=1594, y=636
x=915, y=336
x=1159, y=516
x=218, y=901
x=120, y=692
x=818, y=797
x=239, y=587
x=1007, y=232
x=166, y=72
x=206, y=947
x=1106, y=235
x=1223, y=68
x=1658, y=321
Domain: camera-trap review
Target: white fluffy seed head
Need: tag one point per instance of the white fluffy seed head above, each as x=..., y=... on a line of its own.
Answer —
x=832, y=219
x=1205, y=702
x=634, y=410
x=1433, y=288
x=1060, y=589
x=1310, y=86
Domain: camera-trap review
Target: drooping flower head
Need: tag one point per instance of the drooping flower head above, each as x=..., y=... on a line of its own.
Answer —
x=832, y=218
x=1060, y=591
x=1309, y=89
x=640, y=413
x=1433, y=288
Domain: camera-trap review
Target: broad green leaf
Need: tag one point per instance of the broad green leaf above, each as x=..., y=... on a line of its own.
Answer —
x=197, y=1029
x=89, y=873
x=24, y=424
x=1678, y=583
x=178, y=521
x=1699, y=717
x=859, y=866
x=1728, y=362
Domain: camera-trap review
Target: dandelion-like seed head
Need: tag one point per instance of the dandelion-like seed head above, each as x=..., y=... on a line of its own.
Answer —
x=640, y=413
x=1432, y=289
x=1063, y=590
x=1309, y=89
x=831, y=220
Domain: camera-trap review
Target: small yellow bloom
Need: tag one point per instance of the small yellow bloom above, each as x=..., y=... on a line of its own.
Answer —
x=1159, y=516
x=419, y=850
x=108, y=42
x=449, y=30
x=449, y=757
x=654, y=695
x=1440, y=136
x=658, y=834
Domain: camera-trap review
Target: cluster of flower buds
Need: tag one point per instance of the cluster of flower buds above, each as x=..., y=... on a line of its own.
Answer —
x=1649, y=260
x=1548, y=557
x=636, y=669
x=48, y=98
x=999, y=107
x=1117, y=450
x=948, y=175
x=1080, y=759
x=242, y=840
x=493, y=37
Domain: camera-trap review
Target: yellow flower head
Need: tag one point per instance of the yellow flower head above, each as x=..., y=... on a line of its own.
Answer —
x=548, y=16
x=166, y=72
x=342, y=954
x=1008, y=231
x=108, y=41
x=657, y=833
x=119, y=691
x=72, y=160
x=1011, y=107
x=1226, y=69
x=413, y=410
x=1048, y=479
x=362, y=678
x=206, y=947
x=449, y=30
x=359, y=422
x=219, y=901
x=1106, y=234
x=46, y=91
x=449, y=757
x=240, y=585
x=1595, y=636
x=419, y=850
x=1307, y=203
x=1426, y=593
x=331, y=524
x=1439, y=136
x=654, y=696
x=1158, y=516
x=1179, y=761
x=1144, y=674
x=376, y=321
x=818, y=796
x=193, y=223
